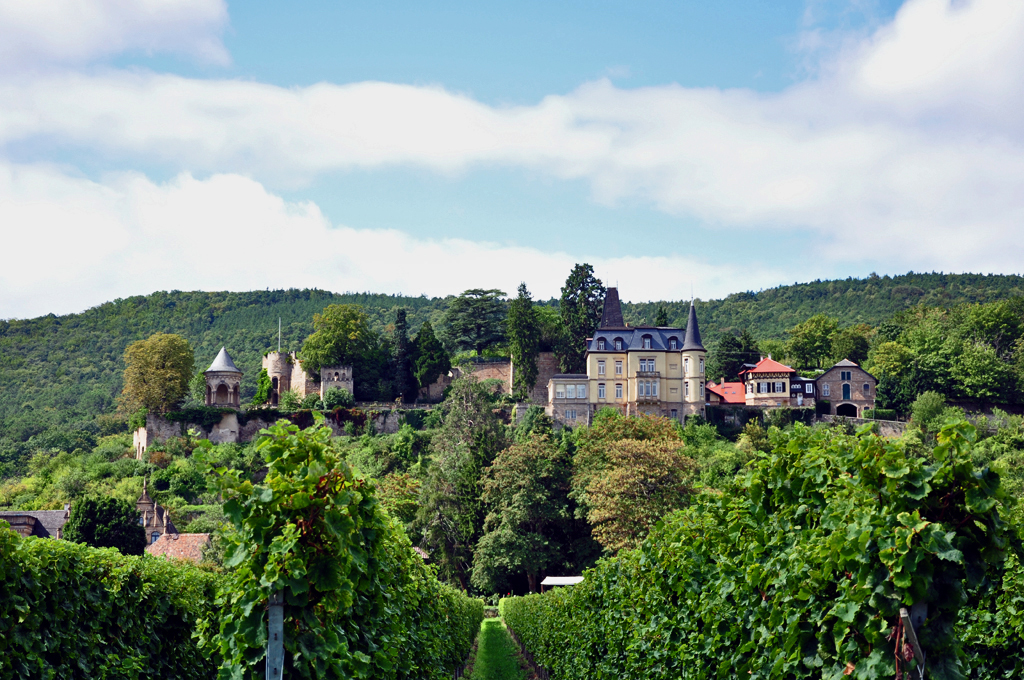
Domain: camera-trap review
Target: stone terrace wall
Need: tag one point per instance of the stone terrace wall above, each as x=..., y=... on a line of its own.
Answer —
x=886, y=428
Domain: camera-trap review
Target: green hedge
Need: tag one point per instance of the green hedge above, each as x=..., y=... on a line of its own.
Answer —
x=71, y=611
x=800, y=573
x=880, y=413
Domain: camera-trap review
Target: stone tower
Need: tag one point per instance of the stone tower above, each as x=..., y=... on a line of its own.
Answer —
x=279, y=366
x=223, y=380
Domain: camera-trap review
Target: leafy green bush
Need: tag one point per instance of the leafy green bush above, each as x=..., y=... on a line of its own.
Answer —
x=338, y=397
x=71, y=611
x=106, y=523
x=358, y=601
x=311, y=401
x=798, y=574
x=880, y=413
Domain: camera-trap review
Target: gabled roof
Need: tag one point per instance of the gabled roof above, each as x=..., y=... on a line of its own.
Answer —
x=223, y=363
x=48, y=522
x=692, y=341
x=611, y=316
x=769, y=365
x=846, y=363
x=730, y=392
x=180, y=546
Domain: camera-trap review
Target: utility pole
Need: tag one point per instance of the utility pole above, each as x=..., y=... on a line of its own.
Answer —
x=275, y=636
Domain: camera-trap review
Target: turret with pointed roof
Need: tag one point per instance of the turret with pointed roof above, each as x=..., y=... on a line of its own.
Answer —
x=692, y=340
x=223, y=380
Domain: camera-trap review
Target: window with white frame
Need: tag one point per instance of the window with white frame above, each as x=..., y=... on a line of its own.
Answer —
x=675, y=414
x=600, y=391
x=762, y=388
x=809, y=388
x=600, y=368
x=647, y=342
x=825, y=390
x=600, y=344
x=780, y=387
x=570, y=414
x=654, y=388
x=750, y=388
x=796, y=387
x=559, y=391
x=673, y=343
x=618, y=344
x=686, y=389
x=686, y=366
x=581, y=391
x=618, y=368
x=702, y=390
x=702, y=366
x=618, y=390
x=570, y=391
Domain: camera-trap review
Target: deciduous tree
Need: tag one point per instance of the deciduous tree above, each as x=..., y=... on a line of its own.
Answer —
x=156, y=373
x=581, y=306
x=106, y=523
x=476, y=319
x=523, y=341
x=810, y=343
x=852, y=343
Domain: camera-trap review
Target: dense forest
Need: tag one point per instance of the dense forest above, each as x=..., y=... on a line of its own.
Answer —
x=60, y=375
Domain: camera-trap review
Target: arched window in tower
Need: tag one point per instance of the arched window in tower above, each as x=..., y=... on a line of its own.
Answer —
x=222, y=394
x=335, y=375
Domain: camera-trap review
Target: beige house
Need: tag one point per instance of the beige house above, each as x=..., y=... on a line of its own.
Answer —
x=768, y=383
x=848, y=389
x=636, y=369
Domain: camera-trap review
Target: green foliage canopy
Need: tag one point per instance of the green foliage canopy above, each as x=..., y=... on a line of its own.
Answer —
x=106, y=523
x=475, y=320
x=523, y=340
x=581, y=306
x=157, y=371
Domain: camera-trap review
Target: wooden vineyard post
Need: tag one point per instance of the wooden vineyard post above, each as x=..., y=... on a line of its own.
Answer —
x=275, y=637
x=911, y=634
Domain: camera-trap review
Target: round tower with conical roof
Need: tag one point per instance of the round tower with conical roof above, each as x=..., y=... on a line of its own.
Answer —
x=223, y=381
x=693, y=354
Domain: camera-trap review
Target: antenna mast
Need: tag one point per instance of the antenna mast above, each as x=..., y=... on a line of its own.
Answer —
x=278, y=335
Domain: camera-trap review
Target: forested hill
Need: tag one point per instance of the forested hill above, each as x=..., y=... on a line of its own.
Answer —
x=57, y=373
x=769, y=313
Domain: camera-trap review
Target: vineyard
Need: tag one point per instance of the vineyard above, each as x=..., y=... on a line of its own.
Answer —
x=800, y=571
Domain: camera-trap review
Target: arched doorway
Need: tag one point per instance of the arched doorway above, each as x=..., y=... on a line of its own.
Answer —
x=222, y=394
x=846, y=410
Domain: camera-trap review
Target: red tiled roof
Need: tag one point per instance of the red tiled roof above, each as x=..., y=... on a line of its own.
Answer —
x=768, y=365
x=180, y=546
x=730, y=392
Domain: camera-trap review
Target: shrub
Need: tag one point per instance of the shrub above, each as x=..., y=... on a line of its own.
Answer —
x=71, y=611
x=311, y=401
x=798, y=574
x=880, y=413
x=927, y=408
x=338, y=397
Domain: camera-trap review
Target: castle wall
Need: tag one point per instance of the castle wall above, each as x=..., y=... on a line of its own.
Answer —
x=497, y=370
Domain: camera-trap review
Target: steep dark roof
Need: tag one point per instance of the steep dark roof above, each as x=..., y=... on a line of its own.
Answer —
x=692, y=341
x=611, y=317
x=223, y=363
x=48, y=522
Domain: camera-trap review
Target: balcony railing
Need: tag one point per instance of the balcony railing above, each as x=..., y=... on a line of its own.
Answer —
x=649, y=399
x=648, y=374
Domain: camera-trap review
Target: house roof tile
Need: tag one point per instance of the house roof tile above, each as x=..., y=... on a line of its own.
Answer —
x=730, y=392
x=180, y=546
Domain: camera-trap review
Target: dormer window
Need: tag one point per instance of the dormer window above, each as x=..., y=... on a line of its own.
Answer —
x=673, y=343
x=618, y=344
x=600, y=344
x=647, y=342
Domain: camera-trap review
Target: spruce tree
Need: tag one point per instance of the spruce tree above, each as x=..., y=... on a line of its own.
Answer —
x=661, y=318
x=430, y=358
x=523, y=341
x=405, y=388
x=581, y=306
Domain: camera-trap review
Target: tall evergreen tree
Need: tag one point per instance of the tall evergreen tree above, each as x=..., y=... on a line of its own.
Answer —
x=726, y=360
x=476, y=319
x=581, y=304
x=523, y=341
x=430, y=360
x=661, y=318
x=405, y=386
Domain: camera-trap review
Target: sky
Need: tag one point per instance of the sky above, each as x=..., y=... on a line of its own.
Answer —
x=427, y=148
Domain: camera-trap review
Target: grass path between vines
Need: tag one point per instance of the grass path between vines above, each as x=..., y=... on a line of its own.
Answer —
x=497, y=657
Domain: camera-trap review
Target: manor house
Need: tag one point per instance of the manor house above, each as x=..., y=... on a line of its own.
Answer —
x=636, y=369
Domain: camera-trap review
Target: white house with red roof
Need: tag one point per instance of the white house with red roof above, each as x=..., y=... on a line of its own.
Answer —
x=768, y=383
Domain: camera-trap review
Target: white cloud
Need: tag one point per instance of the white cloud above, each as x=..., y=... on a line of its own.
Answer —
x=907, y=150
x=37, y=33
x=93, y=241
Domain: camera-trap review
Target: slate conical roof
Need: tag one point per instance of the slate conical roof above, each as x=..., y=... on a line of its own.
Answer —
x=223, y=363
x=692, y=340
x=611, y=316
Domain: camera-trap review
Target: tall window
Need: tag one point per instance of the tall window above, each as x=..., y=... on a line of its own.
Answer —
x=618, y=368
x=867, y=388
x=824, y=390
x=702, y=390
x=846, y=391
x=570, y=414
x=675, y=414
x=654, y=388
x=845, y=375
x=762, y=387
x=154, y=537
x=600, y=390
x=581, y=391
x=750, y=388
x=600, y=344
x=780, y=387
x=673, y=344
x=618, y=390
x=570, y=391
x=559, y=391
x=686, y=390
x=618, y=344
x=702, y=366
x=600, y=368
x=647, y=342
x=809, y=388
x=686, y=366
